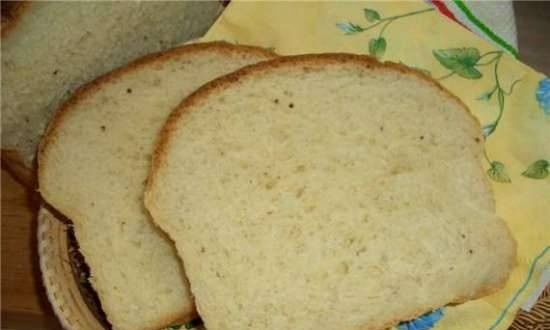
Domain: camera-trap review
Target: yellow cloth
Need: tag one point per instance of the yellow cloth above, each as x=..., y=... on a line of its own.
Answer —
x=521, y=137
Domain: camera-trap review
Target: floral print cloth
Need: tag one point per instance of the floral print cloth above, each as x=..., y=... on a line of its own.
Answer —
x=511, y=101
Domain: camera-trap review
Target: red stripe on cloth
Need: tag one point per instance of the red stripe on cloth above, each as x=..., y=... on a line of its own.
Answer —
x=442, y=8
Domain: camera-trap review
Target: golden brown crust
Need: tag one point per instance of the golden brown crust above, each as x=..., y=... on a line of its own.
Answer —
x=92, y=87
x=11, y=15
x=286, y=61
x=89, y=89
x=458, y=300
x=289, y=61
x=482, y=293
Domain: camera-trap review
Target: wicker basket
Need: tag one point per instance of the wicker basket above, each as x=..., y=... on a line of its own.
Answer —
x=62, y=286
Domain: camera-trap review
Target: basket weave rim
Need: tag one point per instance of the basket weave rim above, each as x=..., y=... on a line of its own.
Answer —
x=62, y=289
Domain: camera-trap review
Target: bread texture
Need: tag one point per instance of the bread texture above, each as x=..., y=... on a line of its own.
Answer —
x=327, y=191
x=93, y=162
x=50, y=48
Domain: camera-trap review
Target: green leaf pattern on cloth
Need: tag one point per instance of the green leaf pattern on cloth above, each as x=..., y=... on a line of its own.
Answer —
x=487, y=95
x=464, y=62
x=497, y=172
x=371, y=15
x=349, y=28
x=377, y=47
x=537, y=170
x=489, y=129
x=461, y=61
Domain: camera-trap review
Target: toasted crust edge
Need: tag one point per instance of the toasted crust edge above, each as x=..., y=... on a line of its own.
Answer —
x=89, y=89
x=92, y=87
x=224, y=82
x=221, y=83
x=11, y=15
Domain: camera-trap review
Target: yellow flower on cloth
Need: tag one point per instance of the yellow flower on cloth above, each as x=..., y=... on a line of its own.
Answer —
x=509, y=98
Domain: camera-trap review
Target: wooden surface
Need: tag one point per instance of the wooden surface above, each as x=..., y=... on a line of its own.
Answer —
x=24, y=305
x=23, y=300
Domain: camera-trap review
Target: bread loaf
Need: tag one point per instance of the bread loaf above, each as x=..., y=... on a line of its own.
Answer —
x=93, y=162
x=50, y=48
x=327, y=192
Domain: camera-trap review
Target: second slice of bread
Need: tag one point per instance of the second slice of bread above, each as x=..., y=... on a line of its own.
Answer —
x=93, y=163
x=327, y=192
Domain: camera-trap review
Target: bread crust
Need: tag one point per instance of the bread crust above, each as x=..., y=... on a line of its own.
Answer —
x=159, y=155
x=223, y=82
x=93, y=86
x=482, y=293
x=16, y=15
x=11, y=15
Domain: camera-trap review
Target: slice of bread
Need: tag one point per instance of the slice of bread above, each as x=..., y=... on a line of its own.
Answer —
x=93, y=162
x=327, y=192
x=50, y=48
